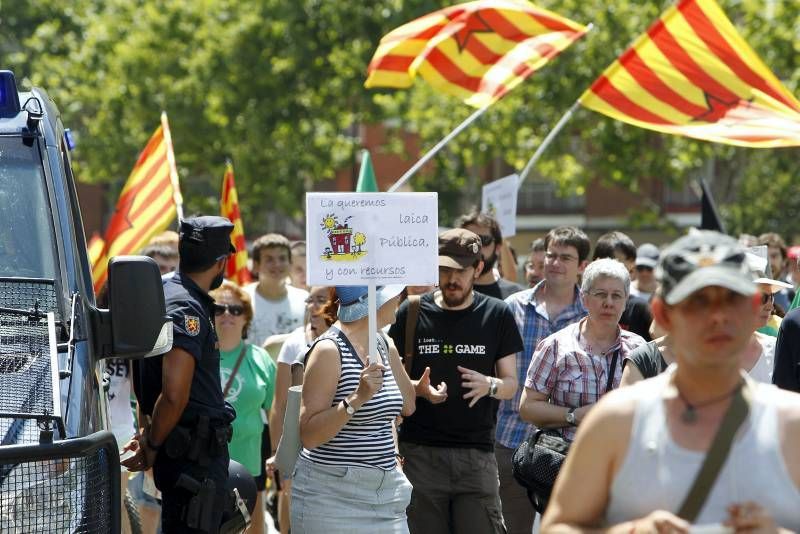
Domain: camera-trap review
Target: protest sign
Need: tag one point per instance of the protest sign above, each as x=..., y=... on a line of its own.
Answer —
x=371, y=239
x=499, y=200
x=385, y=238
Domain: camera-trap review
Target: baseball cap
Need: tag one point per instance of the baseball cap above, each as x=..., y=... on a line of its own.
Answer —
x=759, y=267
x=647, y=255
x=353, y=303
x=703, y=259
x=206, y=237
x=459, y=248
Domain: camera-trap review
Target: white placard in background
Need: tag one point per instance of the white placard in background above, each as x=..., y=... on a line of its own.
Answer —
x=388, y=238
x=499, y=200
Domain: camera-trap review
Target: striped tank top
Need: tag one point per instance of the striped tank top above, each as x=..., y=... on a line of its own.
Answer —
x=366, y=439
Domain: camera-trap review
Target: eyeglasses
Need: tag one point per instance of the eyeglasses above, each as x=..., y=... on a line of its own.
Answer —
x=616, y=296
x=766, y=297
x=563, y=258
x=486, y=240
x=319, y=301
x=644, y=268
x=234, y=309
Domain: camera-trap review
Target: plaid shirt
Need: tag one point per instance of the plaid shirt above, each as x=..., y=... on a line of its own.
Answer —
x=565, y=369
x=534, y=325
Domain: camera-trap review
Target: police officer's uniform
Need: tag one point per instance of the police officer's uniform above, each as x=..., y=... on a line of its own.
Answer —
x=191, y=466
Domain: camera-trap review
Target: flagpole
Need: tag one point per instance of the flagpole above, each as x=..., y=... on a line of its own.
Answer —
x=432, y=152
x=547, y=140
x=173, y=169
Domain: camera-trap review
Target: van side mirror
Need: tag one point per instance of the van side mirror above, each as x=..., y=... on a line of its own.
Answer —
x=136, y=324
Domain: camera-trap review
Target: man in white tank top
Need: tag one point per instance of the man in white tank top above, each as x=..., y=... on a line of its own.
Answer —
x=637, y=453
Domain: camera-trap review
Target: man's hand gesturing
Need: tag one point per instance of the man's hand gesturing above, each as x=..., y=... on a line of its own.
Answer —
x=435, y=395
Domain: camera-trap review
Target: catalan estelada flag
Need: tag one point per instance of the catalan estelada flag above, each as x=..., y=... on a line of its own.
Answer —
x=229, y=207
x=146, y=204
x=692, y=74
x=477, y=51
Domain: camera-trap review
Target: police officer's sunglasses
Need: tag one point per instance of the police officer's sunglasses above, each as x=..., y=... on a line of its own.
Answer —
x=234, y=309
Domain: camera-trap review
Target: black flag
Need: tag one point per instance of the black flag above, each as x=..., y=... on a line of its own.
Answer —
x=709, y=216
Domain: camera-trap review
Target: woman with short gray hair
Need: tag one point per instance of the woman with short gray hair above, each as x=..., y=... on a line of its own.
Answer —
x=574, y=367
x=608, y=268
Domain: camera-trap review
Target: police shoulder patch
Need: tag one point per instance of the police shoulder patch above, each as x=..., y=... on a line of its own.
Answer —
x=192, y=324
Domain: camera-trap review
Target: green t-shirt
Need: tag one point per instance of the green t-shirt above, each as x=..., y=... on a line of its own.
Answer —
x=251, y=392
x=795, y=302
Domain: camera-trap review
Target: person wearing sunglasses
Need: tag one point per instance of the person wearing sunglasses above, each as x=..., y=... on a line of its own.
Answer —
x=495, y=254
x=247, y=375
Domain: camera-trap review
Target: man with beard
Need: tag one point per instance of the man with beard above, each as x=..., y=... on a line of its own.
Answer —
x=184, y=419
x=487, y=228
x=466, y=343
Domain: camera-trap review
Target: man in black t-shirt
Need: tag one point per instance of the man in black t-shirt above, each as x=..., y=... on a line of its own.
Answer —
x=466, y=343
x=488, y=229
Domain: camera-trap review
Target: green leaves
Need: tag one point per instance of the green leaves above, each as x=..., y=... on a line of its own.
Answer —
x=278, y=87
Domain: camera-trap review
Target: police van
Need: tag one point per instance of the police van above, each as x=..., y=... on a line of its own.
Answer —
x=59, y=463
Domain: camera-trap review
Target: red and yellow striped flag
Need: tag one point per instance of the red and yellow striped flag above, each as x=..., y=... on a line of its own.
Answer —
x=146, y=204
x=692, y=74
x=95, y=248
x=477, y=51
x=229, y=207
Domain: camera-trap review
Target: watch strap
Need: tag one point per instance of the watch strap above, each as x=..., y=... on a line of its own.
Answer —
x=348, y=408
x=150, y=445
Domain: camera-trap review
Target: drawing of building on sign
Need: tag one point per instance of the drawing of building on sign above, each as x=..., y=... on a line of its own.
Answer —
x=345, y=243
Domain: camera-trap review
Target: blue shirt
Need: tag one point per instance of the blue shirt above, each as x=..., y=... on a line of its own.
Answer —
x=534, y=325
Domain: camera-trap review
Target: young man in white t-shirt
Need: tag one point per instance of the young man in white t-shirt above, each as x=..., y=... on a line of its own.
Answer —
x=278, y=308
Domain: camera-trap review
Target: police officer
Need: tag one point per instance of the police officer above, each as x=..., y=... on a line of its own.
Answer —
x=186, y=423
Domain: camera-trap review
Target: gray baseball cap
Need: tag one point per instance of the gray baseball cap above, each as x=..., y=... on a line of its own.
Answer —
x=703, y=259
x=647, y=255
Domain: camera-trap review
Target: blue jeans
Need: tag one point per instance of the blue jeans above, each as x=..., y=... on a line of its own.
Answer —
x=343, y=500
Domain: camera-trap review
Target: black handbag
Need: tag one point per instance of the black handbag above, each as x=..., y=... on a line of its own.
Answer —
x=536, y=464
x=537, y=460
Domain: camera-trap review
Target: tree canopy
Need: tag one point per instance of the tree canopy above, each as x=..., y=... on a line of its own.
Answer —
x=277, y=87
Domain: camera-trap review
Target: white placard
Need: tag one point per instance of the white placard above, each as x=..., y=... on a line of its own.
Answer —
x=386, y=238
x=499, y=200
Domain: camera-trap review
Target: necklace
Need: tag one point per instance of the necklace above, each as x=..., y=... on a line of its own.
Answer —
x=689, y=415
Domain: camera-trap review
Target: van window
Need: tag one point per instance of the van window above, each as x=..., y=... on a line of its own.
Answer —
x=26, y=234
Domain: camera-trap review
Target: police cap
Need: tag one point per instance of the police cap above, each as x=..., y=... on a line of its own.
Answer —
x=206, y=237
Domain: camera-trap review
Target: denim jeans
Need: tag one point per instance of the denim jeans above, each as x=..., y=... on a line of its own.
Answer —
x=342, y=500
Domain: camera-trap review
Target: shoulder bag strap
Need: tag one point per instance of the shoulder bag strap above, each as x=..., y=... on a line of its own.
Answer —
x=235, y=370
x=717, y=454
x=411, y=329
x=612, y=371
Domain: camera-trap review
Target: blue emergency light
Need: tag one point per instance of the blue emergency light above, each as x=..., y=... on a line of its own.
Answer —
x=9, y=98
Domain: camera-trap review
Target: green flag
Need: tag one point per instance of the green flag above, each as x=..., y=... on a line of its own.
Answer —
x=366, y=176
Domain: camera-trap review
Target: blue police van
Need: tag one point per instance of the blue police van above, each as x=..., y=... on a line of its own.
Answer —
x=59, y=463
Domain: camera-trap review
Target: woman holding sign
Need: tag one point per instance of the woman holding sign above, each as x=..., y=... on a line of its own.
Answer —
x=347, y=477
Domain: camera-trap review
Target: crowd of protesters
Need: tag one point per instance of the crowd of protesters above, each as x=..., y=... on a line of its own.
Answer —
x=420, y=437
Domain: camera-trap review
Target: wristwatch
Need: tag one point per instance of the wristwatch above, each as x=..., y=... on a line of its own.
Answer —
x=492, y=386
x=570, y=417
x=348, y=407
